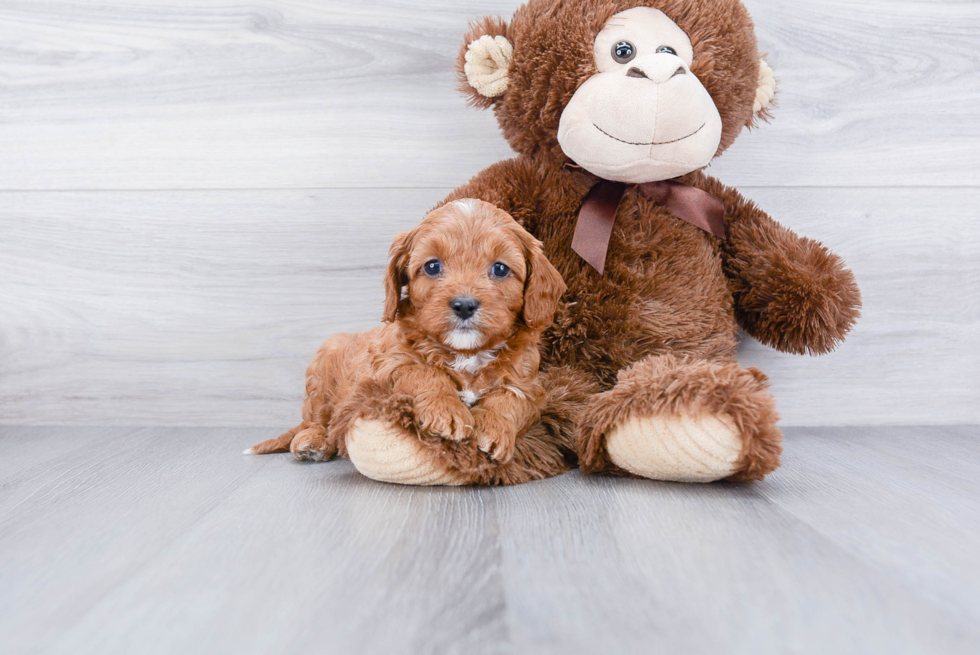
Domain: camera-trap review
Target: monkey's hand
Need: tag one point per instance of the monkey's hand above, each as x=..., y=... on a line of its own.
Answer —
x=795, y=296
x=790, y=292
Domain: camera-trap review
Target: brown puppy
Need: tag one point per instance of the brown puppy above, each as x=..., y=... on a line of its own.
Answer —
x=468, y=293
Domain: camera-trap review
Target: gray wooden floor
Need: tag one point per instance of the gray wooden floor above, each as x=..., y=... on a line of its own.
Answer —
x=123, y=540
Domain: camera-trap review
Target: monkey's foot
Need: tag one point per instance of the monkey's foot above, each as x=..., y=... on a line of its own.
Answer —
x=678, y=448
x=384, y=443
x=389, y=453
x=682, y=421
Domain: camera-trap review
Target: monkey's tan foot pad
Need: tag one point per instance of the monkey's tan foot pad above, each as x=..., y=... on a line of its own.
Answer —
x=390, y=454
x=676, y=448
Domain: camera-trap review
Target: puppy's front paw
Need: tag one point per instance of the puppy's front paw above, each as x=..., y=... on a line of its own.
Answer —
x=443, y=416
x=494, y=436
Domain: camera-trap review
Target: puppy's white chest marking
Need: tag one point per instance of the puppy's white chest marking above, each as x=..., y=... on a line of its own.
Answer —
x=474, y=363
x=469, y=397
x=517, y=392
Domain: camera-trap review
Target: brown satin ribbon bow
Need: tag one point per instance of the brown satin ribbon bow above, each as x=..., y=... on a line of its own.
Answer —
x=598, y=213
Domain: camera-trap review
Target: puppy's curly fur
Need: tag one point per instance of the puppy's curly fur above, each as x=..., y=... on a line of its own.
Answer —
x=468, y=294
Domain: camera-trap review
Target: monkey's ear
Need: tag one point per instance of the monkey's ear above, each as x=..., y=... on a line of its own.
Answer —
x=764, y=93
x=397, y=275
x=483, y=64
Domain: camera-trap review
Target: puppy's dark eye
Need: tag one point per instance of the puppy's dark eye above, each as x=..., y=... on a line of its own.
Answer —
x=623, y=51
x=432, y=268
x=667, y=49
x=500, y=271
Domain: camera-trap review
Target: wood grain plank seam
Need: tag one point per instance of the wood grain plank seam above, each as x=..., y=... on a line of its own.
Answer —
x=130, y=573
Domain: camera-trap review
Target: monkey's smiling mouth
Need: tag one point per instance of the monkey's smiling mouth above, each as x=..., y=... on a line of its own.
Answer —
x=652, y=143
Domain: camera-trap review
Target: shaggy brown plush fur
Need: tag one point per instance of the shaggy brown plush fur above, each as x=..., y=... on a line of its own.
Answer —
x=656, y=333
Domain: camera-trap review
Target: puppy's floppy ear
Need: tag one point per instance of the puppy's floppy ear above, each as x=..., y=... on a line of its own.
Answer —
x=397, y=275
x=543, y=285
x=483, y=63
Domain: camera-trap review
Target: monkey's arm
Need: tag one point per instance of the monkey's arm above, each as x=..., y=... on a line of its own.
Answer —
x=790, y=292
x=508, y=184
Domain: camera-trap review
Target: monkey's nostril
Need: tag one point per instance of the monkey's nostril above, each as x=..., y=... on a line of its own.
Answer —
x=636, y=72
x=680, y=71
x=465, y=306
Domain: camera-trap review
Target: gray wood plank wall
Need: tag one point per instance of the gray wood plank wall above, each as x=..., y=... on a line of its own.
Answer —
x=193, y=194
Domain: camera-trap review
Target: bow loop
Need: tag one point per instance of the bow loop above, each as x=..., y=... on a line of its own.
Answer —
x=597, y=216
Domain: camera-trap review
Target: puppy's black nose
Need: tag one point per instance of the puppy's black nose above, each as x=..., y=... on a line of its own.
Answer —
x=465, y=306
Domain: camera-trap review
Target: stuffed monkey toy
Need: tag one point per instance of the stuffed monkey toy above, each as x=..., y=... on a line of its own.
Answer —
x=614, y=107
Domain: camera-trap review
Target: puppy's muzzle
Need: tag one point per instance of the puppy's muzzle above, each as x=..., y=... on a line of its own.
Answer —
x=464, y=306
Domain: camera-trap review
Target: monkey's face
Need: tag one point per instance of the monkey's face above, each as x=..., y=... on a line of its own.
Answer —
x=644, y=116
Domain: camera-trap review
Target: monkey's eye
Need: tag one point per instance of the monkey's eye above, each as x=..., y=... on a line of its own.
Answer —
x=500, y=271
x=432, y=268
x=623, y=51
x=667, y=49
